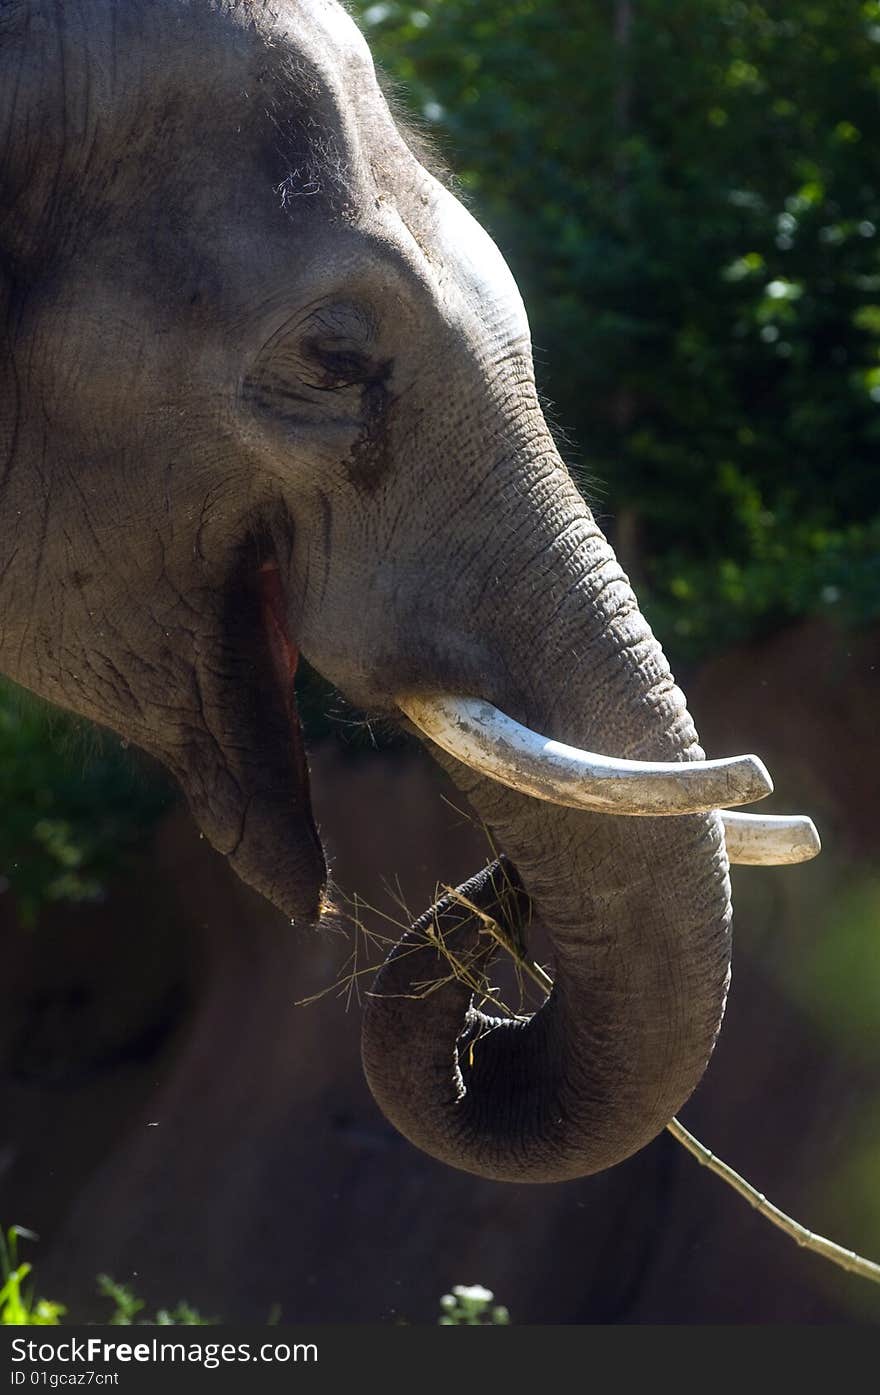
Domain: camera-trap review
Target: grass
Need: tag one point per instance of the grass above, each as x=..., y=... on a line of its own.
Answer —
x=371, y=947
x=19, y=1307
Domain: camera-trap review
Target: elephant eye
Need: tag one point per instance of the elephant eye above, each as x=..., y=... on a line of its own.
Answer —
x=325, y=352
x=333, y=362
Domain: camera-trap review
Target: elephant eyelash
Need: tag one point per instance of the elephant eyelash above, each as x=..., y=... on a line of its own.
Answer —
x=300, y=394
x=298, y=374
x=339, y=364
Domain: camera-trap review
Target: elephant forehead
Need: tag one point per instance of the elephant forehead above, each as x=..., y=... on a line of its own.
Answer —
x=321, y=48
x=326, y=31
x=388, y=176
x=400, y=219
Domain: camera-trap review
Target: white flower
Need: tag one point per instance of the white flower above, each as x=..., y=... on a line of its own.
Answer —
x=473, y=1293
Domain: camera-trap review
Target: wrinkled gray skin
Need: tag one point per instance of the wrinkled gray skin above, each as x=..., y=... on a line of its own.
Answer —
x=244, y=326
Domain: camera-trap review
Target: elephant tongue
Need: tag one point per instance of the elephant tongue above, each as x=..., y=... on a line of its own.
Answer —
x=285, y=656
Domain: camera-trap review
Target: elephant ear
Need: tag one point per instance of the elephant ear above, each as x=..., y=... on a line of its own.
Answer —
x=243, y=766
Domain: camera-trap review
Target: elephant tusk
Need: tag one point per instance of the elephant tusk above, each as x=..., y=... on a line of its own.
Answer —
x=480, y=736
x=769, y=840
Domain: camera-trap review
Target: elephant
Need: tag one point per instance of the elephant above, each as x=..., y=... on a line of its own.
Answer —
x=268, y=391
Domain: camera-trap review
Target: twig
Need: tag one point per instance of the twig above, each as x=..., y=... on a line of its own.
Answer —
x=807, y=1239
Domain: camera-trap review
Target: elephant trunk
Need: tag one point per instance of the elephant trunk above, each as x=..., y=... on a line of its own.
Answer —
x=637, y=910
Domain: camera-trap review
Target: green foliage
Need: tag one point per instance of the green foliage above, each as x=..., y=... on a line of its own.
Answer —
x=471, y=1305
x=18, y=1306
x=126, y=1308
x=689, y=197
x=72, y=805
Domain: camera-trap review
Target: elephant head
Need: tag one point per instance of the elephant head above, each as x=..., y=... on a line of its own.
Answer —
x=267, y=388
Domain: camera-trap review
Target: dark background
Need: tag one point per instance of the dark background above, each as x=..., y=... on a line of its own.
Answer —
x=689, y=196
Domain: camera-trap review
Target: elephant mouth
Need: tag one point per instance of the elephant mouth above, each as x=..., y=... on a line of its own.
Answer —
x=243, y=763
x=283, y=652
x=284, y=659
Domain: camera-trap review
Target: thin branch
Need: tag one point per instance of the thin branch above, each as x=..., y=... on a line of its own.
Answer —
x=807, y=1239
